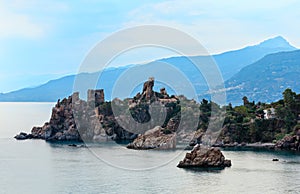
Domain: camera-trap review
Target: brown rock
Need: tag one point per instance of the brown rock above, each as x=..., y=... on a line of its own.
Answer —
x=289, y=143
x=202, y=157
x=148, y=88
x=154, y=139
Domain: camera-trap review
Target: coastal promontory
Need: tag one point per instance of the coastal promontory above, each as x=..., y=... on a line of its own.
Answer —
x=273, y=125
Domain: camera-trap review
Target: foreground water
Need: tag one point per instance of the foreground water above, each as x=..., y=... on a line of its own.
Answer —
x=34, y=166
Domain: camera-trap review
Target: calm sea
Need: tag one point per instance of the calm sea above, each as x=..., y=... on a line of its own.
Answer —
x=34, y=166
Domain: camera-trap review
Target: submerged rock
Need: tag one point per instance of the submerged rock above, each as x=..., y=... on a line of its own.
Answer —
x=202, y=157
x=23, y=136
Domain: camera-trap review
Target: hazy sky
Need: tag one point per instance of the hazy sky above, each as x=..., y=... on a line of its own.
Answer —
x=41, y=40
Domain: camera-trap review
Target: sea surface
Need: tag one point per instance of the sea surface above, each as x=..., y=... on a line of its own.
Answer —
x=35, y=166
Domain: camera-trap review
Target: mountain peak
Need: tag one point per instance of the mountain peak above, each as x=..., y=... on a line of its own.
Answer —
x=276, y=42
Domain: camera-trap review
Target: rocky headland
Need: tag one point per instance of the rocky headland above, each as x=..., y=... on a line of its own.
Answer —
x=251, y=125
x=74, y=119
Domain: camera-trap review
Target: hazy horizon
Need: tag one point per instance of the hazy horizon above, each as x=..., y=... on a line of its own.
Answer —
x=33, y=80
x=45, y=40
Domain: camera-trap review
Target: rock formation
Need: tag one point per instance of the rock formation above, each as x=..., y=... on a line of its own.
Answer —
x=154, y=139
x=148, y=89
x=23, y=135
x=73, y=119
x=291, y=142
x=202, y=157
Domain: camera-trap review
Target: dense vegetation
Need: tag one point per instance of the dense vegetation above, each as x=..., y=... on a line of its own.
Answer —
x=248, y=123
x=267, y=78
x=257, y=122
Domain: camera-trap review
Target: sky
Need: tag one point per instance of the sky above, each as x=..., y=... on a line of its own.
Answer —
x=43, y=40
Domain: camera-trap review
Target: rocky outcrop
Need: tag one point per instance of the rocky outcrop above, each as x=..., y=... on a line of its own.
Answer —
x=202, y=157
x=23, y=135
x=74, y=119
x=148, y=89
x=61, y=126
x=291, y=142
x=154, y=139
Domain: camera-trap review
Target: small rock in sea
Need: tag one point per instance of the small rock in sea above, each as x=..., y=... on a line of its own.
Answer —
x=275, y=160
x=202, y=157
x=72, y=145
x=22, y=136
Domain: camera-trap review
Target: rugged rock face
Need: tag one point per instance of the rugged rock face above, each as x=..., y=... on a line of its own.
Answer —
x=202, y=157
x=154, y=139
x=164, y=109
x=289, y=142
x=61, y=126
x=73, y=119
x=148, y=89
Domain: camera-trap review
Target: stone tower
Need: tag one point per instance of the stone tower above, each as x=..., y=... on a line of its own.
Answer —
x=96, y=96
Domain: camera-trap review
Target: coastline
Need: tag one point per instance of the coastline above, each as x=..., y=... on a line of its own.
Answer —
x=74, y=119
x=259, y=147
x=270, y=146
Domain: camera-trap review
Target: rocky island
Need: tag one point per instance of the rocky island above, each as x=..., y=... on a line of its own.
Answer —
x=272, y=126
x=204, y=157
x=74, y=119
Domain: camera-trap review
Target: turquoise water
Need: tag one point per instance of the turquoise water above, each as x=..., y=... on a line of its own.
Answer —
x=34, y=166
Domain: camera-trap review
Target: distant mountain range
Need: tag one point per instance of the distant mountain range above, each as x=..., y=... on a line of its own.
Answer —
x=266, y=79
x=233, y=61
x=234, y=67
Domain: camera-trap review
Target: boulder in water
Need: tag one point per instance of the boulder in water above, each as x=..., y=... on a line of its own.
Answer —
x=203, y=157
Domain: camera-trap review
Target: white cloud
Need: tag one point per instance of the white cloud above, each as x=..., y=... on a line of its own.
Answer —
x=223, y=25
x=45, y=5
x=18, y=25
x=20, y=18
x=15, y=24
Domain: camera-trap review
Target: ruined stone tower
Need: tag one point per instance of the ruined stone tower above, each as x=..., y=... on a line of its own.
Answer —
x=96, y=96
